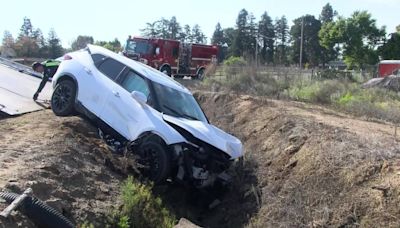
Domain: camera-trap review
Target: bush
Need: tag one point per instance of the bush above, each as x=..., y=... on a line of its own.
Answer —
x=323, y=92
x=233, y=65
x=140, y=208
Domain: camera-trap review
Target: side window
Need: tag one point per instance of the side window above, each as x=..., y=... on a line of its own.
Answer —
x=97, y=58
x=133, y=82
x=111, y=68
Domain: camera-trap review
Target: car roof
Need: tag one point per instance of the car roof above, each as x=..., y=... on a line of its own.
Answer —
x=147, y=71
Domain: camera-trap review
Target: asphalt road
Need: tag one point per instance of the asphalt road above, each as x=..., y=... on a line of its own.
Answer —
x=16, y=92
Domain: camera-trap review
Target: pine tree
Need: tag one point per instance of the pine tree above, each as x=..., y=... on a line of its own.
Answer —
x=55, y=49
x=281, y=32
x=267, y=36
x=218, y=35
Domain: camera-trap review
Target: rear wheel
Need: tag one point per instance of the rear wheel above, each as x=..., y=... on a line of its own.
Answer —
x=200, y=74
x=155, y=161
x=166, y=70
x=63, y=98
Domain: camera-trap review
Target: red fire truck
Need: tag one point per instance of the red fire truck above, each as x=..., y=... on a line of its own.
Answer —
x=388, y=67
x=171, y=56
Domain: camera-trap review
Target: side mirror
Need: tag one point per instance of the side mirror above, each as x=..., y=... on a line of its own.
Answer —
x=139, y=97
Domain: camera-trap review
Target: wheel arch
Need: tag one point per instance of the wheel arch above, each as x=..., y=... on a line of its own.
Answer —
x=70, y=77
x=165, y=65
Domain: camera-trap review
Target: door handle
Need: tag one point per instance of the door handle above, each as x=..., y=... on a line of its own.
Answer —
x=115, y=93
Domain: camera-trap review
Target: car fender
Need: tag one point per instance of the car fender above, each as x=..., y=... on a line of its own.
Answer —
x=156, y=125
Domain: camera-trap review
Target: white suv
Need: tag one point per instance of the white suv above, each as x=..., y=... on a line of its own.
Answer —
x=144, y=111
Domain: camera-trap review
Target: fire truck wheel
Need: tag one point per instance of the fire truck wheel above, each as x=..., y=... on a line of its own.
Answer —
x=166, y=70
x=200, y=74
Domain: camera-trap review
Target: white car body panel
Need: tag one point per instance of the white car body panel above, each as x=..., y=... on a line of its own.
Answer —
x=210, y=134
x=114, y=105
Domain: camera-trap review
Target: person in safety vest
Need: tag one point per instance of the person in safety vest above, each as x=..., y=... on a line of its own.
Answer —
x=48, y=68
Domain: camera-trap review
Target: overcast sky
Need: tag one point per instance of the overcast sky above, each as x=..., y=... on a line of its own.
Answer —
x=106, y=20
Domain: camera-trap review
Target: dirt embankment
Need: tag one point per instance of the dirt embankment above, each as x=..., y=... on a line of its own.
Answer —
x=314, y=167
x=304, y=166
x=62, y=160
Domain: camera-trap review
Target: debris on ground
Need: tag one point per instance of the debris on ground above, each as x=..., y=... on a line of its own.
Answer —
x=391, y=82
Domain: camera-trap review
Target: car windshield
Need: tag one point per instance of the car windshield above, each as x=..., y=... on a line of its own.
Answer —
x=137, y=47
x=179, y=104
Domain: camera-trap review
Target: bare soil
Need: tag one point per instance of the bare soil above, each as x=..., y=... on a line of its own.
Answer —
x=304, y=166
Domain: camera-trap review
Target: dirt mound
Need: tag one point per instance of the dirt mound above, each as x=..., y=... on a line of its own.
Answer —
x=391, y=82
x=62, y=160
x=314, y=167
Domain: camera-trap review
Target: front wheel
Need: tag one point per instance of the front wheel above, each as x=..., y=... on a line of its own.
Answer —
x=155, y=161
x=63, y=98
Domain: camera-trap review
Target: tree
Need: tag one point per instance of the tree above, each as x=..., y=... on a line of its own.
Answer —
x=150, y=30
x=197, y=35
x=55, y=49
x=240, y=40
x=251, y=37
x=8, y=45
x=391, y=49
x=327, y=14
x=358, y=36
x=81, y=42
x=398, y=29
x=266, y=33
x=174, y=29
x=162, y=28
x=281, y=34
x=114, y=45
x=311, y=48
x=186, y=34
x=218, y=35
x=229, y=36
x=26, y=28
x=8, y=40
x=326, y=17
x=27, y=44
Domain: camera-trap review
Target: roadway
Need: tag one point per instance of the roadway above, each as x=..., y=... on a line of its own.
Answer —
x=16, y=92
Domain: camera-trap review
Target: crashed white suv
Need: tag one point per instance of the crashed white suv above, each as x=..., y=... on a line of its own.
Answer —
x=145, y=112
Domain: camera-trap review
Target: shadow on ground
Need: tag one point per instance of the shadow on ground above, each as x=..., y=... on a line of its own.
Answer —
x=238, y=202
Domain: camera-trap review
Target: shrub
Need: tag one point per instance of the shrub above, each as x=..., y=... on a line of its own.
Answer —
x=233, y=65
x=323, y=92
x=140, y=208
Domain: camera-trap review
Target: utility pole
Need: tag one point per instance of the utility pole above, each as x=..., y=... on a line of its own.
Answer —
x=256, y=54
x=301, y=43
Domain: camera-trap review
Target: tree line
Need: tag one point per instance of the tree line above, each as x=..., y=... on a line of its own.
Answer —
x=31, y=43
x=171, y=29
x=355, y=40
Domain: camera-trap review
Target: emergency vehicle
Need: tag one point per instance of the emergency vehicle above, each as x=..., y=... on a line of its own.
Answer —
x=171, y=57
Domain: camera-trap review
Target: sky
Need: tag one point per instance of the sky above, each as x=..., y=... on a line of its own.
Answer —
x=106, y=20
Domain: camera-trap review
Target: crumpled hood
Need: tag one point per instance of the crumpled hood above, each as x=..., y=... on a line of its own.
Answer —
x=209, y=134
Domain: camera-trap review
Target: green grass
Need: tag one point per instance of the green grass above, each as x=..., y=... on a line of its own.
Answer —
x=140, y=208
x=341, y=92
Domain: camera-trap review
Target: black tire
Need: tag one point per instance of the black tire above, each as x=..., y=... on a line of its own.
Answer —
x=166, y=70
x=155, y=160
x=200, y=74
x=63, y=98
x=38, y=212
x=178, y=76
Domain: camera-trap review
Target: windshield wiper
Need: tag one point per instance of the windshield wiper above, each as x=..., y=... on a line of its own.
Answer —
x=179, y=114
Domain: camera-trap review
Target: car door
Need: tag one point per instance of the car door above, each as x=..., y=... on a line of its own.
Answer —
x=98, y=78
x=121, y=111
